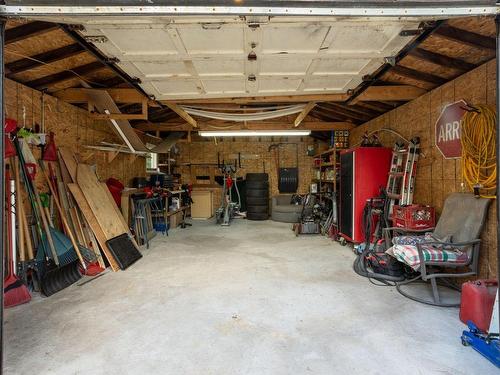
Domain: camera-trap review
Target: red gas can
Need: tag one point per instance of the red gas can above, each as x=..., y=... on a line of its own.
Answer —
x=477, y=302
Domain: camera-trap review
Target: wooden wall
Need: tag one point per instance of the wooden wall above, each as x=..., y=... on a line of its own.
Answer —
x=436, y=176
x=74, y=128
x=255, y=157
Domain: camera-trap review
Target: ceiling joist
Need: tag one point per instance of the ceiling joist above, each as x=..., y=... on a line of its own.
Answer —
x=443, y=60
x=383, y=93
x=270, y=99
x=29, y=30
x=182, y=113
x=253, y=125
x=417, y=75
x=466, y=37
x=48, y=57
x=52, y=79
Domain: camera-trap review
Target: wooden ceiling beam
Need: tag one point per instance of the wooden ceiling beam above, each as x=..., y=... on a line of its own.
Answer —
x=442, y=60
x=182, y=113
x=302, y=115
x=417, y=75
x=466, y=37
x=81, y=70
x=339, y=110
x=80, y=95
x=330, y=115
x=268, y=99
x=250, y=125
x=48, y=57
x=393, y=92
x=375, y=106
x=18, y=33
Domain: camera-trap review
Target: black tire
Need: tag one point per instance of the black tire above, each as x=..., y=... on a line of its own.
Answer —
x=253, y=216
x=257, y=177
x=258, y=193
x=260, y=201
x=257, y=185
x=258, y=209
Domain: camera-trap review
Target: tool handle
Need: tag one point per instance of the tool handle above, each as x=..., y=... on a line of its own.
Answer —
x=20, y=212
x=63, y=216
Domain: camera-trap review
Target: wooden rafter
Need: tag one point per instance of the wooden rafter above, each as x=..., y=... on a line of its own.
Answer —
x=320, y=113
x=79, y=95
x=337, y=109
x=466, y=37
x=48, y=57
x=302, y=115
x=29, y=30
x=251, y=125
x=443, y=60
x=418, y=75
x=381, y=93
x=182, y=113
x=81, y=70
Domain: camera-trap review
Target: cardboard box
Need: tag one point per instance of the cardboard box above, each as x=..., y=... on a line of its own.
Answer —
x=202, y=206
x=175, y=219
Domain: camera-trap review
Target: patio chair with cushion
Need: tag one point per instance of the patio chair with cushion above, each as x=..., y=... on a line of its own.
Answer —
x=451, y=250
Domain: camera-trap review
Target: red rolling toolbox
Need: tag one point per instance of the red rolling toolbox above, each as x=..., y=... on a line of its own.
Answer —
x=478, y=298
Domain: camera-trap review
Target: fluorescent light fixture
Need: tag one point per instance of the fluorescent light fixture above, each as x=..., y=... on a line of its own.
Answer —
x=254, y=133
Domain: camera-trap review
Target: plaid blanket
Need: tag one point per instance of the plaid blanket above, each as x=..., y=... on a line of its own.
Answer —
x=409, y=254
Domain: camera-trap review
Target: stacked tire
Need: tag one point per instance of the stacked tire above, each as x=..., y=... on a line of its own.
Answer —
x=257, y=196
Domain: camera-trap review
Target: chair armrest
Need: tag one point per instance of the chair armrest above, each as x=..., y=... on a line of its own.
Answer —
x=455, y=244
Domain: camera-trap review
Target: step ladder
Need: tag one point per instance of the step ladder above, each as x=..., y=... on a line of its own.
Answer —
x=401, y=180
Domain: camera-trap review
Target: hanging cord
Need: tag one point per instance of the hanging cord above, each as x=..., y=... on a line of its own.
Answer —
x=479, y=151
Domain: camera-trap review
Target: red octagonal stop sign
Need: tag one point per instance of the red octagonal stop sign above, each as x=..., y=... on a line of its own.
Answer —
x=448, y=130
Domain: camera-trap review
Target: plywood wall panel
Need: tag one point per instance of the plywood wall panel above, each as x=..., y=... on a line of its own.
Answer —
x=73, y=127
x=206, y=152
x=438, y=177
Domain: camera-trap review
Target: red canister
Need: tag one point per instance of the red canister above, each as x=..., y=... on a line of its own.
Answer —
x=478, y=298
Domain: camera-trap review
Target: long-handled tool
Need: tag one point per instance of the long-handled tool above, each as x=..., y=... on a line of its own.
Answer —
x=15, y=292
x=91, y=269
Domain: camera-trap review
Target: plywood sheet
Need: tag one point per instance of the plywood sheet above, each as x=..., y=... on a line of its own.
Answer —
x=94, y=225
x=99, y=202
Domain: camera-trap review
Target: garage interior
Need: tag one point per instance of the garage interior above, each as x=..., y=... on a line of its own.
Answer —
x=262, y=188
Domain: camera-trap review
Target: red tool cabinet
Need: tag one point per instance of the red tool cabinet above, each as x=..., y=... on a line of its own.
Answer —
x=363, y=171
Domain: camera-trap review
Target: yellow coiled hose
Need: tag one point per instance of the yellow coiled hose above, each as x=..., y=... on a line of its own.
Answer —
x=479, y=151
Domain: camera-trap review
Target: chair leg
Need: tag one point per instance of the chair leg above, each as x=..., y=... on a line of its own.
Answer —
x=435, y=291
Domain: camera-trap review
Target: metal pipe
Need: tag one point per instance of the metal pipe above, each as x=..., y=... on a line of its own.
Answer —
x=497, y=139
x=2, y=182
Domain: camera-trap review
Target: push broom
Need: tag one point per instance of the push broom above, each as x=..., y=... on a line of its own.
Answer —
x=15, y=292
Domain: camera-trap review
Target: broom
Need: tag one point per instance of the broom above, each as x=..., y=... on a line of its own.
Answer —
x=15, y=292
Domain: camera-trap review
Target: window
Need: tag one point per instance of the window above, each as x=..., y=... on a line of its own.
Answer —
x=151, y=160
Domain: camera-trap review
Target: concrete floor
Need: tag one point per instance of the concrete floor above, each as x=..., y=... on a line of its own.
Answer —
x=249, y=299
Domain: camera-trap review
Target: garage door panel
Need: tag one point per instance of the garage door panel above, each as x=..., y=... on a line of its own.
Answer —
x=219, y=67
x=224, y=86
x=283, y=66
x=293, y=38
x=181, y=87
x=193, y=57
x=212, y=39
x=278, y=85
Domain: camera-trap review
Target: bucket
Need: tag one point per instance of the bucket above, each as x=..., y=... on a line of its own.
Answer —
x=115, y=187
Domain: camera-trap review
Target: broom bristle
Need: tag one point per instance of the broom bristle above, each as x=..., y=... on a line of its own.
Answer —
x=15, y=292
